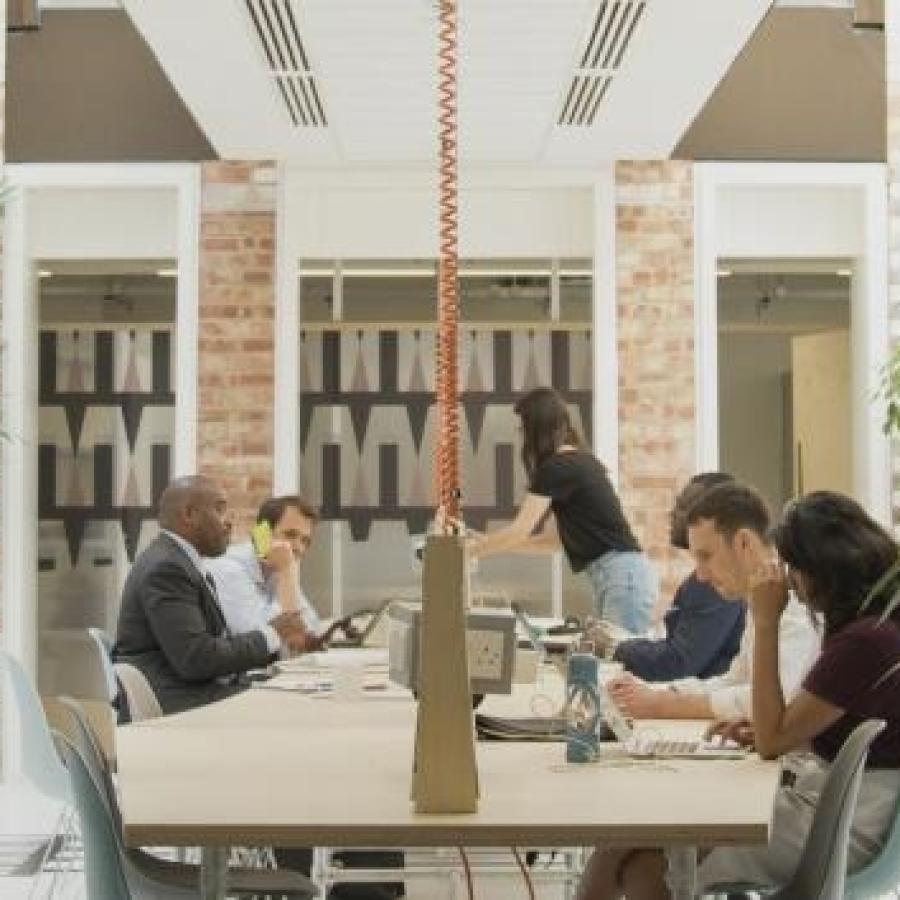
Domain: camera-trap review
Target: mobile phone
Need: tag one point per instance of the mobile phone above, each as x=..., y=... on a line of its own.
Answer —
x=261, y=537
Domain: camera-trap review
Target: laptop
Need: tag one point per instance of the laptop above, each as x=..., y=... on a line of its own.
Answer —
x=538, y=637
x=361, y=639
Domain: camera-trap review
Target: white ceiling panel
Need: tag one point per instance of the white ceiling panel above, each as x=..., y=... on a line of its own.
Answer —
x=373, y=64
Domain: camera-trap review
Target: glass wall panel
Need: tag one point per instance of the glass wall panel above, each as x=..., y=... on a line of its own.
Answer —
x=106, y=420
x=367, y=421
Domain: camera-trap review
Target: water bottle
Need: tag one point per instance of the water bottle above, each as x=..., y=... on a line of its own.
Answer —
x=582, y=708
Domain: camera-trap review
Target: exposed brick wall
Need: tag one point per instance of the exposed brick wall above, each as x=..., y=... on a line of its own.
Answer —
x=892, y=50
x=236, y=343
x=655, y=289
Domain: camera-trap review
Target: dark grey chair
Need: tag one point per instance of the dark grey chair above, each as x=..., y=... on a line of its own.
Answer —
x=822, y=871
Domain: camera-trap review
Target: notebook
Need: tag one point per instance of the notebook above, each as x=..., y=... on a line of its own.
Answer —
x=527, y=728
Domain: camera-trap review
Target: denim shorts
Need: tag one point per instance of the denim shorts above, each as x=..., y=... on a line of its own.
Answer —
x=625, y=585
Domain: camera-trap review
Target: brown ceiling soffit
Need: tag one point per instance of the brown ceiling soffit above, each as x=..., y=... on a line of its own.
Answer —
x=85, y=87
x=807, y=86
x=22, y=15
x=868, y=14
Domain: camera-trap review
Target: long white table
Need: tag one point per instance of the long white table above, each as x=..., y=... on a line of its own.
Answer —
x=285, y=769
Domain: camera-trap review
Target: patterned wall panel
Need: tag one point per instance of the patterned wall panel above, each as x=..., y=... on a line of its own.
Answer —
x=367, y=418
x=106, y=422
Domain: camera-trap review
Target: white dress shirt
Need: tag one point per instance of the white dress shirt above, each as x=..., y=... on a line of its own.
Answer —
x=249, y=597
x=730, y=693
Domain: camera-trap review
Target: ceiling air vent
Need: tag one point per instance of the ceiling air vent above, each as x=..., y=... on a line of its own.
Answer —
x=275, y=22
x=607, y=43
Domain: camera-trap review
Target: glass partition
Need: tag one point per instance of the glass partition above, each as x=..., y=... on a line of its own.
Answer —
x=367, y=418
x=106, y=421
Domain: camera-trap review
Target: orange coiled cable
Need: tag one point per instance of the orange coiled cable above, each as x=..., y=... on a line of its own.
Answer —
x=447, y=351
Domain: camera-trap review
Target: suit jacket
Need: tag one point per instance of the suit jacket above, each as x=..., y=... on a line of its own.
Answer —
x=172, y=629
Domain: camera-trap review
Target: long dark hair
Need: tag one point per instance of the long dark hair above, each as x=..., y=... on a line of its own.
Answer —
x=842, y=553
x=546, y=426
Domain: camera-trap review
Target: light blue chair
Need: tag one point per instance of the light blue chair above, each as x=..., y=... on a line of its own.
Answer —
x=108, y=874
x=42, y=769
x=151, y=872
x=103, y=646
x=41, y=764
x=882, y=875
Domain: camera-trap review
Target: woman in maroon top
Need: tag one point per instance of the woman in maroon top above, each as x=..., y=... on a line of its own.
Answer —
x=833, y=555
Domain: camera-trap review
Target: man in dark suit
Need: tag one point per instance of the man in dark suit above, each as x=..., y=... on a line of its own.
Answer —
x=170, y=624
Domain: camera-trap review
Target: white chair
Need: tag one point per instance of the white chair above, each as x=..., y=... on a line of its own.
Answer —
x=142, y=702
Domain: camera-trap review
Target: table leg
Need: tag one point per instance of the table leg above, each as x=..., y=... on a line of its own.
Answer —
x=213, y=872
x=681, y=876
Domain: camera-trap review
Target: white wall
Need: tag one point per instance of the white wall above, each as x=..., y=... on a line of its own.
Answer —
x=798, y=221
x=96, y=223
x=371, y=217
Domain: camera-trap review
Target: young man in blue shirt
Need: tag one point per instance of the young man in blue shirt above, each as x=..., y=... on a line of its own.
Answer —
x=703, y=630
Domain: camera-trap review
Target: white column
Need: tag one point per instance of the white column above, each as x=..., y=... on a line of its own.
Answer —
x=287, y=348
x=337, y=535
x=605, y=329
x=869, y=343
x=187, y=328
x=20, y=383
x=706, y=326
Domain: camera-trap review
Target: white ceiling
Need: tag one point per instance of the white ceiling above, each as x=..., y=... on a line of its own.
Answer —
x=374, y=64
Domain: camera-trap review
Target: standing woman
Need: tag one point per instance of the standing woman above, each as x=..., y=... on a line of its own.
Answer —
x=570, y=502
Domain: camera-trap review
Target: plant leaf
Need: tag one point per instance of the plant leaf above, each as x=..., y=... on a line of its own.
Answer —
x=880, y=585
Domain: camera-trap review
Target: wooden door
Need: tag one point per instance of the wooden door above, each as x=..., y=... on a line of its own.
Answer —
x=821, y=412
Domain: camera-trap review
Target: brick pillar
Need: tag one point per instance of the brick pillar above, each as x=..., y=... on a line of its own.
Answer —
x=655, y=289
x=236, y=346
x=892, y=71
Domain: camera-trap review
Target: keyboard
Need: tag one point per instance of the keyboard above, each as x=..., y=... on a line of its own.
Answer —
x=667, y=748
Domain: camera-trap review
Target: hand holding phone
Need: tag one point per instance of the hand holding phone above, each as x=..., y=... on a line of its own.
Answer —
x=261, y=537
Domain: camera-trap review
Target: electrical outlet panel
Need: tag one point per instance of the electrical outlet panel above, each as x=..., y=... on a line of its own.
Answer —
x=485, y=652
x=490, y=647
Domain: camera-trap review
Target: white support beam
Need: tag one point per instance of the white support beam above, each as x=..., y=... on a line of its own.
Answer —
x=605, y=325
x=19, y=475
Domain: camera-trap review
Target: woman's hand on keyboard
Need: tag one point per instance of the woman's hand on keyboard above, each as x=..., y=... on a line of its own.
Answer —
x=738, y=730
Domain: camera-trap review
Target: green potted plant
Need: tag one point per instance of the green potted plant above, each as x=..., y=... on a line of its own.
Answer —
x=888, y=392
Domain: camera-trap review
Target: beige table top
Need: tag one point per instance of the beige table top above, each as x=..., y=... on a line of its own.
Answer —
x=276, y=768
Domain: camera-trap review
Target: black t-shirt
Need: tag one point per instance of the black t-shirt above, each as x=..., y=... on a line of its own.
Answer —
x=588, y=514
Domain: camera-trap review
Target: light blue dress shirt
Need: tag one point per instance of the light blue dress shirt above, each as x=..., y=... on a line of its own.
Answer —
x=249, y=598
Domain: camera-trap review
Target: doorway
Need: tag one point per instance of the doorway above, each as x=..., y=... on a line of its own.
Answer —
x=785, y=418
